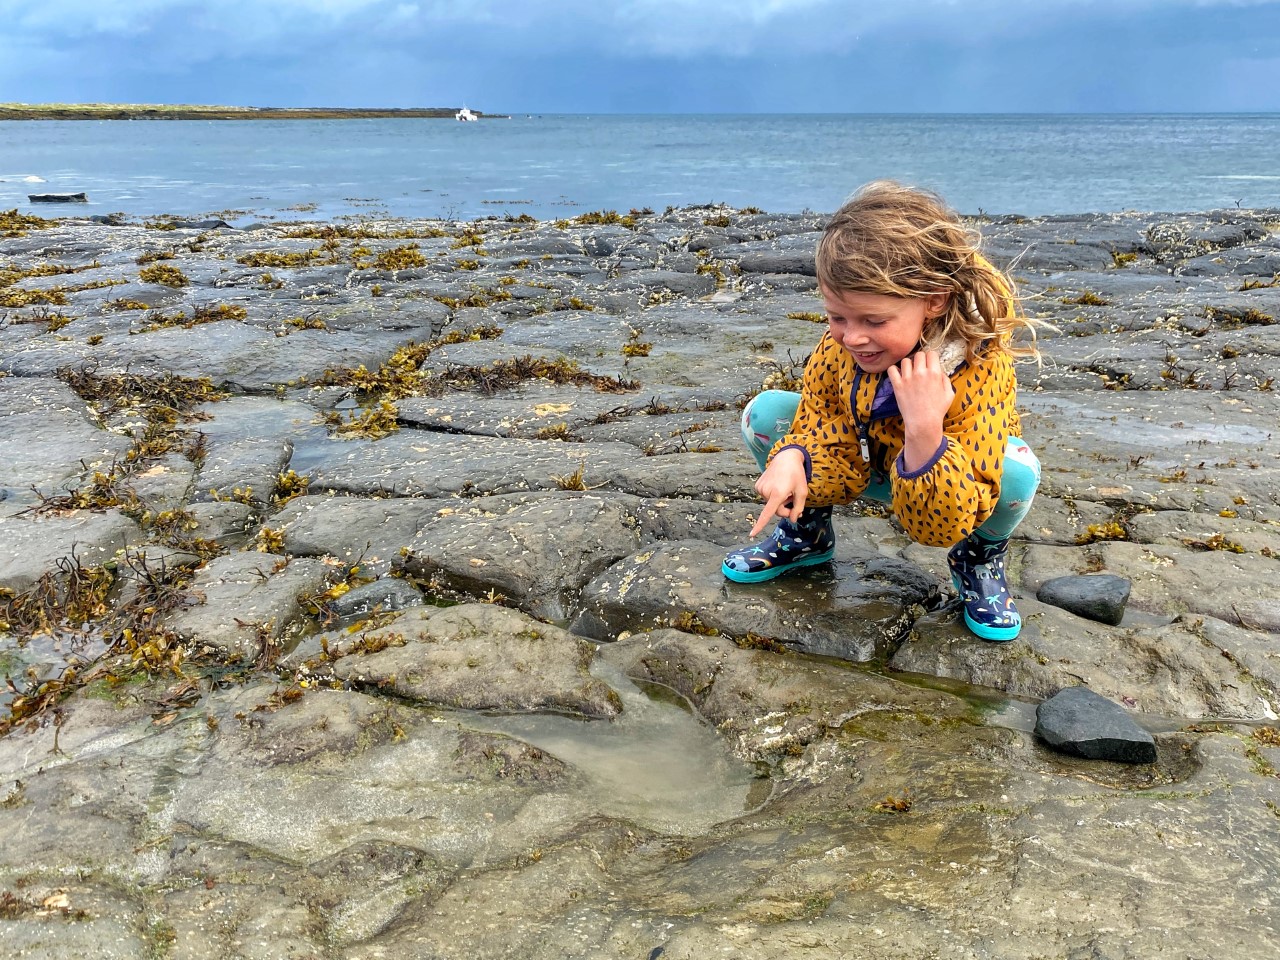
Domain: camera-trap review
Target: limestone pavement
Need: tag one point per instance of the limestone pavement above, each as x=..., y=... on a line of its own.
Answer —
x=362, y=600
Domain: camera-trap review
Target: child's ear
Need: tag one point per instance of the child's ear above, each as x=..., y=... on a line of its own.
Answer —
x=935, y=305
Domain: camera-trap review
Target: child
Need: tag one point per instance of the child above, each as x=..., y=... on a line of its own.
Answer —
x=908, y=399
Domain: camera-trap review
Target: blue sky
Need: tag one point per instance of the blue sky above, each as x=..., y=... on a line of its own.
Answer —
x=639, y=56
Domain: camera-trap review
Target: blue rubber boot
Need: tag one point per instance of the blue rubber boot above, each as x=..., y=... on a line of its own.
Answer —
x=810, y=540
x=977, y=571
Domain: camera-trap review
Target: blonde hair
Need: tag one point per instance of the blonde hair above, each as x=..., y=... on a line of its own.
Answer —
x=903, y=241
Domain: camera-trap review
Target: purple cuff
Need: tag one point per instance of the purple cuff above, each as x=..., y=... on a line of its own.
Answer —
x=808, y=461
x=901, y=464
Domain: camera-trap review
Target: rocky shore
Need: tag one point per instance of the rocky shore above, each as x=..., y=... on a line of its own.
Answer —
x=361, y=599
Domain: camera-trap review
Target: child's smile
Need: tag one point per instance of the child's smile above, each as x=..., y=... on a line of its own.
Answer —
x=879, y=330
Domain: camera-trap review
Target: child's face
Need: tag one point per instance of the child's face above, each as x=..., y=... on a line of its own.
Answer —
x=879, y=330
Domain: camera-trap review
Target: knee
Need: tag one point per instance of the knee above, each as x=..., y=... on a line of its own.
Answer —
x=771, y=411
x=1021, y=471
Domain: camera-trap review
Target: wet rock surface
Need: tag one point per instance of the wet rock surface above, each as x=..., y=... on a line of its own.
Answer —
x=363, y=600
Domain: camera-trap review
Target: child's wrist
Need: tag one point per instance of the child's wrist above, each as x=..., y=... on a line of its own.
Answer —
x=923, y=435
x=800, y=461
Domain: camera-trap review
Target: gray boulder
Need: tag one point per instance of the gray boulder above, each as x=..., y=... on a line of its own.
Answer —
x=1099, y=597
x=1079, y=722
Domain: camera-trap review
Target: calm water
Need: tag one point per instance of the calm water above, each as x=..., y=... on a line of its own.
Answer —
x=559, y=165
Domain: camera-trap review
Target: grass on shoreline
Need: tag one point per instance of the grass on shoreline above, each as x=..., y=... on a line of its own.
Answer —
x=184, y=111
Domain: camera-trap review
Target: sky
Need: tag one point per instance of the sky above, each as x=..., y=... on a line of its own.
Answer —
x=651, y=56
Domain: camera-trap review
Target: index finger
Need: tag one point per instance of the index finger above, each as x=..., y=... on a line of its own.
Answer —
x=770, y=509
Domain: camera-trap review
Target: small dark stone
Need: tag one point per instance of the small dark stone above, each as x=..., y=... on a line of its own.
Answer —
x=57, y=198
x=1100, y=596
x=1080, y=722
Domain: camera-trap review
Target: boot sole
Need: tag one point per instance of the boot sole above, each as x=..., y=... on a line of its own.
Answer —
x=738, y=576
x=981, y=630
x=994, y=634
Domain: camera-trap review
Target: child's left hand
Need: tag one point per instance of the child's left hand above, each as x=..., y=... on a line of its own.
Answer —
x=924, y=394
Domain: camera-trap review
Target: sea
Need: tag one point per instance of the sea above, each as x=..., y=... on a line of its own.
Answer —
x=562, y=165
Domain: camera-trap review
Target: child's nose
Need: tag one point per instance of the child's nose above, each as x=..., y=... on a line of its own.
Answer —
x=854, y=337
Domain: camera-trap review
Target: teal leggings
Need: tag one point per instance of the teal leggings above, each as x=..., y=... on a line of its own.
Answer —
x=768, y=416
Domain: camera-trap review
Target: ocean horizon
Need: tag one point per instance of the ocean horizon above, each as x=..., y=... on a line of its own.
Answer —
x=558, y=165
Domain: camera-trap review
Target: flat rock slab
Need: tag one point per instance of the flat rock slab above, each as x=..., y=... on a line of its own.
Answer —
x=227, y=522
x=1171, y=580
x=368, y=530
x=241, y=355
x=854, y=610
x=659, y=281
x=1128, y=446
x=244, y=469
x=474, y=656
x=421, y=464
x=248, y=600
x=523, y=411
x=34, y=547
x=530, y=409
x=1099, y=597
x=1079, y=722
x=659, y=434
x=424, y=464
x=165, y=485
x=48, y=439
x=789, y=254
x=1201, y=531
x=538, y=553
x=262, y=418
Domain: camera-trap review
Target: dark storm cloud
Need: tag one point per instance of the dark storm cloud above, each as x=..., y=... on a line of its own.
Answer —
x=650, y=55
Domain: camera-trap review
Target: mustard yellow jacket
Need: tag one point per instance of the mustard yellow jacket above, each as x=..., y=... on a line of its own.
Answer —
x=848, y=424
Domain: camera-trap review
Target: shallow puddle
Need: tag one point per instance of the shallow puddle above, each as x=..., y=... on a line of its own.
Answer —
x=27, y=663
x=657, y=764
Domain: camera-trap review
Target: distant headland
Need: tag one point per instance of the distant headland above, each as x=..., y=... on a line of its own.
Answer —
x=161, y=111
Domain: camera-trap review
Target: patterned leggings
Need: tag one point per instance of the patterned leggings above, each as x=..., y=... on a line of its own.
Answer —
x=768, y=416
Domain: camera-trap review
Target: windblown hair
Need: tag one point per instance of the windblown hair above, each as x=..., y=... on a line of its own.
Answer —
x=901, y=241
